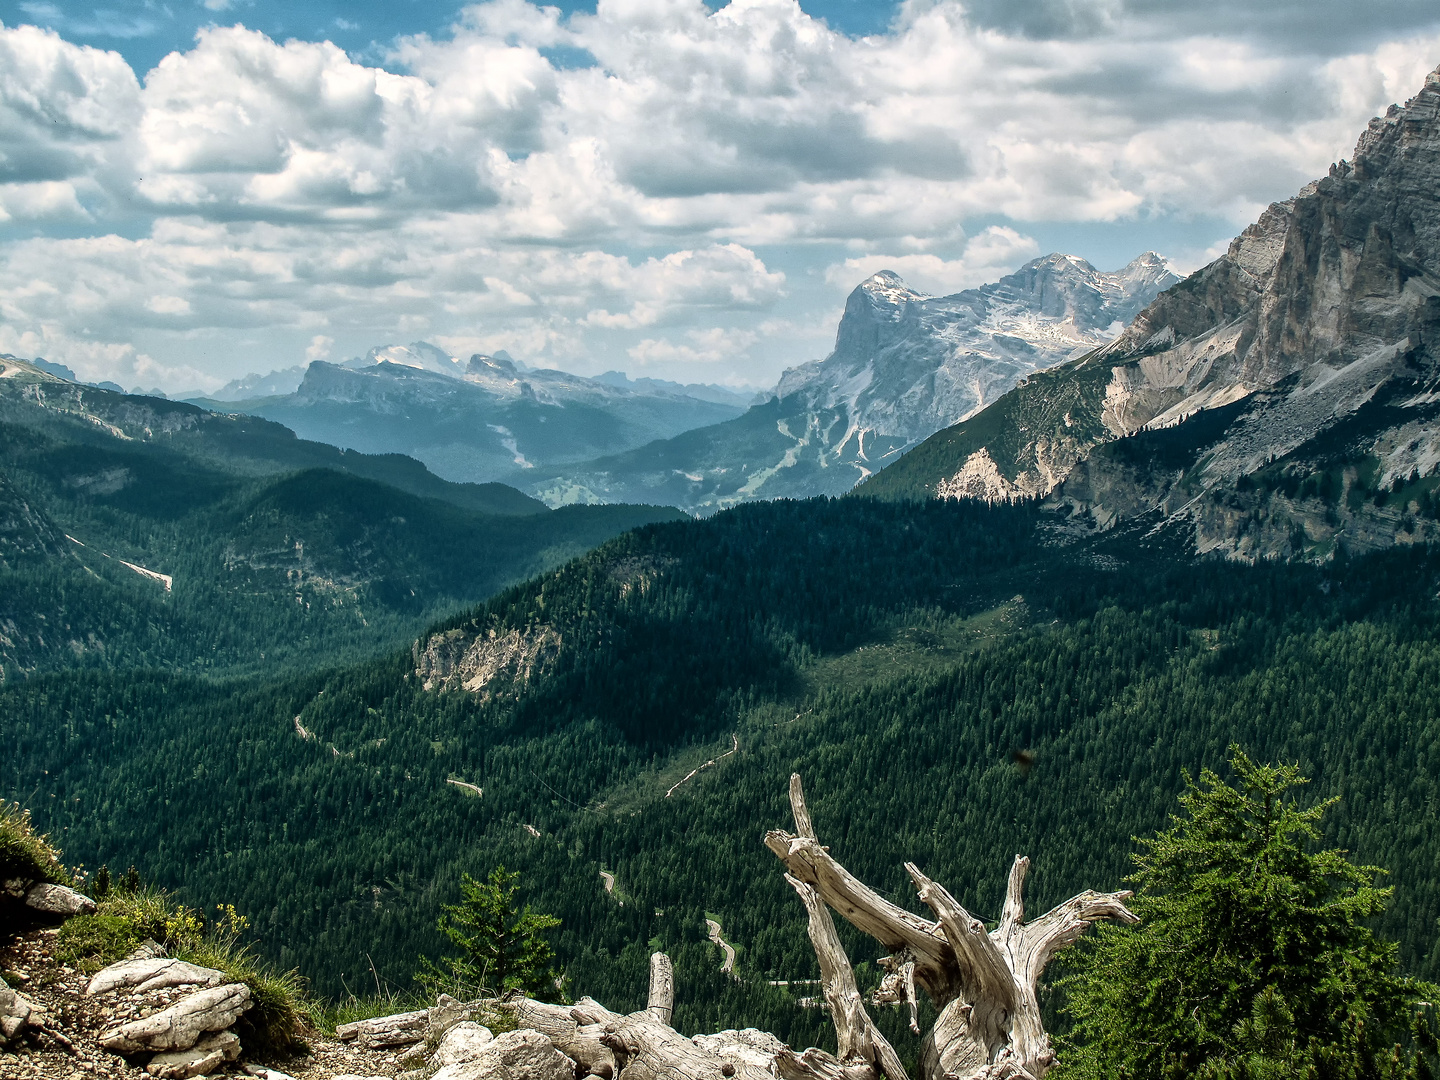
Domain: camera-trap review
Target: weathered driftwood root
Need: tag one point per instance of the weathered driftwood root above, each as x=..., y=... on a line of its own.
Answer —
x=983, y=983
x=661, y=1001
x=634, y=1047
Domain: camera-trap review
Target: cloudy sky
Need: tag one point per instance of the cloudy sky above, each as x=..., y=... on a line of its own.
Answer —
x=190, y=191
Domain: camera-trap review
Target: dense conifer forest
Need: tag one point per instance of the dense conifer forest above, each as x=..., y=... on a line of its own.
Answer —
x=142, y=534
x=956, y=684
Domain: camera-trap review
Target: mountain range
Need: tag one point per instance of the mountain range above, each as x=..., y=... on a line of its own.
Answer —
x=904, y=365
x=488, y=419
x=140, y=531
x=309, y=683
x=1283, y=400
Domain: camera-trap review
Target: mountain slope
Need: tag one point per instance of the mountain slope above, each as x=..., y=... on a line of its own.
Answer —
x=140, y=532
x=898, y=656
x=1314, y=342
x=904, y=365
x=483, y=421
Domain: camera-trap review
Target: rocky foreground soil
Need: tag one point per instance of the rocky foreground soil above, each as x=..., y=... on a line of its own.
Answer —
x=63, y=1037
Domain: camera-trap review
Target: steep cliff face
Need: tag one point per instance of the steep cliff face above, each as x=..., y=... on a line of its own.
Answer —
x=904, y=365
x=1329, y=304
x=480, y=421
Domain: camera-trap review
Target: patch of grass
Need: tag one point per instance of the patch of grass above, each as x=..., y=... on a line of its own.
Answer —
x=24, y=853
x=917, y=641
x=280, y=1003
x=331, y=1014
x=92, y=942
x=154, y=914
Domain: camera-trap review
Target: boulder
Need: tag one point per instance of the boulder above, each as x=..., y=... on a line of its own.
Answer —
x=446, y=1012
x=401, y=1029
x=181, y=1025
x=151, y=973
x=146, y=950
x=17, y=1012
x=462, y=1042
x=747, y=1047
x=58, y=900
x=207, y=1055
x=515, y=1055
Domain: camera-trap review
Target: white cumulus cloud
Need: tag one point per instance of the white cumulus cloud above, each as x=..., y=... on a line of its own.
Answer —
x=684, y=170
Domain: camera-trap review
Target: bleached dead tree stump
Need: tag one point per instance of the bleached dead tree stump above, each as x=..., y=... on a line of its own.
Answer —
x=984, y=984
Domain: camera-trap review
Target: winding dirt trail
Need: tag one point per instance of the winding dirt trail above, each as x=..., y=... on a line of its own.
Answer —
x=609, y=879
x=706, y=765
x=728, y=967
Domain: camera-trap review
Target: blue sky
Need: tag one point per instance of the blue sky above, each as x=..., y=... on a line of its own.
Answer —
x=144, y=31
x=190, y=191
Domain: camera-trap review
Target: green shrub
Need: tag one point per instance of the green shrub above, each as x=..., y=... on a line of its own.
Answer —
x=93, y=941
x=24, y=853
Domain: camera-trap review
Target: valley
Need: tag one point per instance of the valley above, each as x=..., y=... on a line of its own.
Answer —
x=1112, y=532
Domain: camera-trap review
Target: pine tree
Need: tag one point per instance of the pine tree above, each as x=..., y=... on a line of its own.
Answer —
x=502, y=945
x=1253, y=958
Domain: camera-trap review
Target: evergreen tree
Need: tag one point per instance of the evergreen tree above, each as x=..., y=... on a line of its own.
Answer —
x=502, y=945
x=1253, y=957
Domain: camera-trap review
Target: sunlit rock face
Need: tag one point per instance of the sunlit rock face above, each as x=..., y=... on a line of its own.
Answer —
x=1280, y=401
x=904, y=365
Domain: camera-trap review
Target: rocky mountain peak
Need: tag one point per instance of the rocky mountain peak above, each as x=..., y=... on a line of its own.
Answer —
x=1311, y=348
x=418, y=354
x=887, y=287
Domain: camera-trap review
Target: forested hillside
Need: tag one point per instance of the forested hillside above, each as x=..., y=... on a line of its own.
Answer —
x=140, y=533
x=953, y=683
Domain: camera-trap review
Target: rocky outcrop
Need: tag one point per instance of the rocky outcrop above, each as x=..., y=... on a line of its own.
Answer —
x=1306, y=348
x=58, y=900
x=152, y=973
x=485, y=662
x=400, y=1029
x=515, y=1055
x=183, y=1024
x=208, y=1054
x=462, y=1043
x=17, y=1012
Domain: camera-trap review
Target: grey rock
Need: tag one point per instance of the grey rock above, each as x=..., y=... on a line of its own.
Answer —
x=1310, y=347
x=462, y=1042
x=183, y=1024
x=515, y=1055
x=152, y=973
x=904, y=366
x=58, y=900
x=400, y=1029
x=210, y=1053
x=16, y=1013
x=146, y=950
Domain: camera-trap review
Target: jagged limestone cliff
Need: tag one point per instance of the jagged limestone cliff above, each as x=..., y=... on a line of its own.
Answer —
x=1311, y=348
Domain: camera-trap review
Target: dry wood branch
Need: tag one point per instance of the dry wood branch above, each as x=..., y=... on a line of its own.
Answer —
x=816, y=1064
x=1014, y=912
x=907, y=974
x=984, y=983
x=982, y=969
x=803, y=825
x=576, y=1032
x=860, y=905
x=1063, y=925
x=856, y=1036
x=661, y=1001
